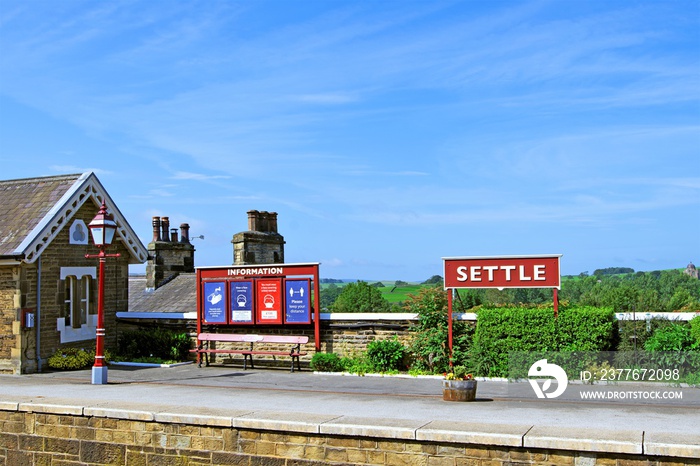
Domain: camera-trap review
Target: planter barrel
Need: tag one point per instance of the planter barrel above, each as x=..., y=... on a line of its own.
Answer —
x=458, y=390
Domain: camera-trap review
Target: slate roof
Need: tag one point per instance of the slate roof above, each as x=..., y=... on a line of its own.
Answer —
x=23, y=205
x=34, y=210
x=178, y=295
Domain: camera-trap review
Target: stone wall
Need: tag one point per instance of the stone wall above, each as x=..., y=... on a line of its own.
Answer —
x=343, y=337
x=17, y=292
x=51, y=434
x=9, y=293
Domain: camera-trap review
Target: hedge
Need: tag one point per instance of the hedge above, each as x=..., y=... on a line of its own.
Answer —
x=503, y=333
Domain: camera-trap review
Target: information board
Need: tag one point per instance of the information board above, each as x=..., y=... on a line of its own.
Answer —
x=258, y=295
x=241, y=302
x=297, y=301
x=214, y=302
x=268, y=301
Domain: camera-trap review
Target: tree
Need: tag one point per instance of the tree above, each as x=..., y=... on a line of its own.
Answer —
x=329, y=294
x=434, y=280
x=360, y=297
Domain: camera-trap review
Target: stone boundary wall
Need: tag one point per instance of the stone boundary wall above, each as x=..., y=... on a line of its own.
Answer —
x=52, y=434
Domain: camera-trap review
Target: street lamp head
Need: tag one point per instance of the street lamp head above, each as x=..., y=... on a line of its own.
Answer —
x=103, y=227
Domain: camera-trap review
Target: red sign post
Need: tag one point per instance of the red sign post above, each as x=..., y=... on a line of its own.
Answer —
x=500, y=272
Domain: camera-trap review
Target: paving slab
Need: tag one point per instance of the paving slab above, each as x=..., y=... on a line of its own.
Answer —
x=373, y=427
x=577, y=439
x=476, y=433
x=679, y=445
x=51, y=408
x=283, y=421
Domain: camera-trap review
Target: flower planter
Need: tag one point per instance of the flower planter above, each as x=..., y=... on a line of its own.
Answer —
x=458, y=390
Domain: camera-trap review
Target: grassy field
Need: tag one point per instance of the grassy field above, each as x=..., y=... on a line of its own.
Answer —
x=390, y=292
x=397, y=294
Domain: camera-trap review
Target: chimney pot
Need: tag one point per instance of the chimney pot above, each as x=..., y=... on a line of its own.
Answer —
x=253, y=216
x=165, y=228
x=273, y=222
x=184, y=233
x=263, y=223
x=156, y=229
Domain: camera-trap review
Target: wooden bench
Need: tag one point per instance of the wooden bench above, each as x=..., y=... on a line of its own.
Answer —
x=295, y=352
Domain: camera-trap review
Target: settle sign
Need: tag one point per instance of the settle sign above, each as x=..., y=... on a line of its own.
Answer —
x=502, y=272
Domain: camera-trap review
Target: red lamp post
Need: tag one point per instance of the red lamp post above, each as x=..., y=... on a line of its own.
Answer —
x=102, y=229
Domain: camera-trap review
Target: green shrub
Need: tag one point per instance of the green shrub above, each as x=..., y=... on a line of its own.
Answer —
x=675, y=337
x=429, y=348
x=695, y=332
x=503, y=333
x=154, y=343
x=634, y=334
x=386, y=355
x=72, y=359
x=326, y=362
x=357, y=364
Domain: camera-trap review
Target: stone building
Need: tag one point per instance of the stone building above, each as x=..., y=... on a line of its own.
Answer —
x=48, y=288
x=692, y=271
x=261, y=244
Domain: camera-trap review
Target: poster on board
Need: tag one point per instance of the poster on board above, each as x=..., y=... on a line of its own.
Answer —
x=297, y=299
x=242, y=302
x=214, y=302
x=268, y=301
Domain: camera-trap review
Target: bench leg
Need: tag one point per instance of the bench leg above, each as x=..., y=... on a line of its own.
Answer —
x=245, y=361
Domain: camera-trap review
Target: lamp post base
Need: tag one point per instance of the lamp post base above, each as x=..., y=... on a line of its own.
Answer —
x=99, y=375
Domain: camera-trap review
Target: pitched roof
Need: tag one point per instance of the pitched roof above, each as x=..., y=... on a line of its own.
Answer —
x=178, y=295
x=34, y=210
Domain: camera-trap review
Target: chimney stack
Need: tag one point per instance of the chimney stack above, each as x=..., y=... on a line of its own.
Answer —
x=168, y=256
x=261, y=244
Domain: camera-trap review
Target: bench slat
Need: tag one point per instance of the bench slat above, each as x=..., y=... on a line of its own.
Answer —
x=297, y=340
x=231, y=337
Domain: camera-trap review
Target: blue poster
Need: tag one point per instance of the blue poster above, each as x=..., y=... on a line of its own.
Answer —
x=214, y=303
x=297, y=299
x=242, y=302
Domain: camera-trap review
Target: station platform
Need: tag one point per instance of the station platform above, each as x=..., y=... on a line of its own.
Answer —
x=390, y=407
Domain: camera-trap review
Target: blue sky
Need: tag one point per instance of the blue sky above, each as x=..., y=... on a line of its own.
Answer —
x=386, y=134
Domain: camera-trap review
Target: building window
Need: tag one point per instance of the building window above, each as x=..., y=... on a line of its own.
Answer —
x=78, y=310
x=78, y=304
x=78, y=233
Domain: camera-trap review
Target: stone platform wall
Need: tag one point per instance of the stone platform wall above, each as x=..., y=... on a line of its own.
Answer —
x=36, y=434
